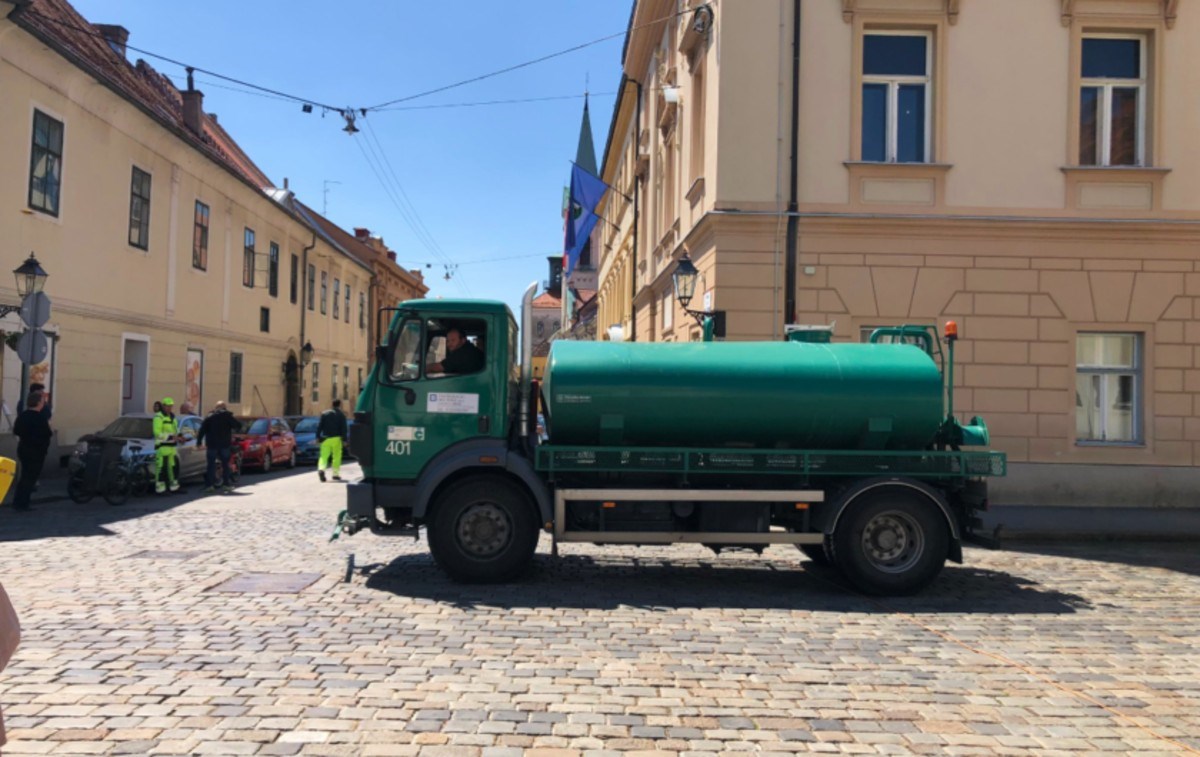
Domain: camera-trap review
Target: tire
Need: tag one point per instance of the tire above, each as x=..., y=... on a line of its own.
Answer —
x=76, y=490
x=235, y=463
x=483, y=530
x=266, y=465
x=891, y=540
x=116, y=491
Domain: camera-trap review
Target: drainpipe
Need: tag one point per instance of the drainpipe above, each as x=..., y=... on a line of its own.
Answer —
x=793, y=223
x=303, y=313
x=637, y=198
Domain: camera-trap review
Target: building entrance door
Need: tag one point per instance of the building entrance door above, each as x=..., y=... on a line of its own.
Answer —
x=135, y=368
x=291, y=375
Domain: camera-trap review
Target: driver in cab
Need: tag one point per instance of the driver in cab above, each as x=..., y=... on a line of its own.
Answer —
x=461, y=355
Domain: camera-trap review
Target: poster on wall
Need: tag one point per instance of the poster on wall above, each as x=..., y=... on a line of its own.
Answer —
x=194, y=384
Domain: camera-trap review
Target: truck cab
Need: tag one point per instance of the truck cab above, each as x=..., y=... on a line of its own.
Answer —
x=429, y=417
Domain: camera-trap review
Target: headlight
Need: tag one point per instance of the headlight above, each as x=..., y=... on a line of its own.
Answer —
x=81, y=449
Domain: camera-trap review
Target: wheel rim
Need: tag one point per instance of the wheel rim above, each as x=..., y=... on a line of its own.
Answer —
x=893, y=542
x=484, y=530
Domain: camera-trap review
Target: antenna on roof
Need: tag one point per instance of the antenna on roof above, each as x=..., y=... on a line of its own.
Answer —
x=325, y=203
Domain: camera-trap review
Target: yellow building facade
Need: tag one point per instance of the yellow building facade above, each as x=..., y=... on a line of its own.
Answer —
x=175, y=268
x=1029, y=170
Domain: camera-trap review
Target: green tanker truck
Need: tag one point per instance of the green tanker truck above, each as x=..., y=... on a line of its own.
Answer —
x=851, y=452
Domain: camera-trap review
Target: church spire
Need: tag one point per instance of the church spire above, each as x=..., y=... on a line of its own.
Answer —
x=585, y=155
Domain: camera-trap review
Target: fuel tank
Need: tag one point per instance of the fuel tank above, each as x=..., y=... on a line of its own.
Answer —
x=764, y=395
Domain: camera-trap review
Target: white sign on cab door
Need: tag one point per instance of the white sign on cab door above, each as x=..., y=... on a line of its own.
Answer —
x=452, y=402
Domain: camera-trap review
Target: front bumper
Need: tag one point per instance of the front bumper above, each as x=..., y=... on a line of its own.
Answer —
x=385, y=510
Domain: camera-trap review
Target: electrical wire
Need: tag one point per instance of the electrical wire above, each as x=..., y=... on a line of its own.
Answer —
x=376, y=166
x=528, y=63
x=223, y=77
x=277, y=94
x=495, y=102
x=486, y=261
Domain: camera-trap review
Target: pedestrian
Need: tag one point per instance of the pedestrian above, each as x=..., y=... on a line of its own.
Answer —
x=33, y=430
x=166, y=437
x=331, y=432
x=38, y=387
x=10, y=636
x=218, y=429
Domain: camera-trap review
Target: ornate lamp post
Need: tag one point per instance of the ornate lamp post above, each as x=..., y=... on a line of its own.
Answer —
x=31, y=279
x=684, y=279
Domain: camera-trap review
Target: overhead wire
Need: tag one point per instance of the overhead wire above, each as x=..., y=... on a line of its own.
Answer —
x=528, y=63
x=377, y=168
x=482, y=103
x=159, y=56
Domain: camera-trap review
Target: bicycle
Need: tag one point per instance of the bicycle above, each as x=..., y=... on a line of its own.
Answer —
x=111, y=470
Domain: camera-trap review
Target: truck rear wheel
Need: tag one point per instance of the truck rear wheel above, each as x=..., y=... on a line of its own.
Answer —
x=483, y=530
x=891, y=541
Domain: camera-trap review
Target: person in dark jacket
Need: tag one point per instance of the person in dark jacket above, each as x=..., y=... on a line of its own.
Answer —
x=33, y=430
x=331, y=432
x=218, y=429
x=46, y=409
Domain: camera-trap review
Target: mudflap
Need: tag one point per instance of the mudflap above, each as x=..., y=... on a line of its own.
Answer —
x=974, y=499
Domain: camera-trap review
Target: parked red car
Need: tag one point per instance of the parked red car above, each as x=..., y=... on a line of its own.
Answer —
x=266, y=442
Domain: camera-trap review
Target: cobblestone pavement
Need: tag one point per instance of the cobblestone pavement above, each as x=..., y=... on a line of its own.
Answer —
x=131, y=645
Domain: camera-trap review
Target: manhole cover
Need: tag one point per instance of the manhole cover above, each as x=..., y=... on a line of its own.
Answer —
x=164, y=554
x=268, y=583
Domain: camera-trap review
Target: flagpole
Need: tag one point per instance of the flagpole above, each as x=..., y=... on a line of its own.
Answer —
x=602, y=181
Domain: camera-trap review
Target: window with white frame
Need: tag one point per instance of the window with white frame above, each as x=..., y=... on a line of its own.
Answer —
x=1112, y=101
x=1108, y=379
x=333, y=381
x=316, y=382
x=668, y=309
x=896, y=94
x=345, y=382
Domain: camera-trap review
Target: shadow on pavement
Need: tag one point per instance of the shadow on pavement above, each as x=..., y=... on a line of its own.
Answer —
x=586, y=582
x=57, y=516
x=1178, y=557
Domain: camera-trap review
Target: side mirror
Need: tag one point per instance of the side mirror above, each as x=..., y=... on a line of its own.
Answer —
x=380, y=353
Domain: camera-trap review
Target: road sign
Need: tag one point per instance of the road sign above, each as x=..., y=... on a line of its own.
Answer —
x=32, y=347
x=35, y=310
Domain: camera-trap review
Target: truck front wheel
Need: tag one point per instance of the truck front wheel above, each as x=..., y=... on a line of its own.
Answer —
x=483, y=530
x=891, y=541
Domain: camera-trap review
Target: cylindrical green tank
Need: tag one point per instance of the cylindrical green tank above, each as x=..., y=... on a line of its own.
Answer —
x=765, y=395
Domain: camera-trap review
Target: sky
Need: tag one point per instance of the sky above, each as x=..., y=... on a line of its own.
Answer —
x=485, y=181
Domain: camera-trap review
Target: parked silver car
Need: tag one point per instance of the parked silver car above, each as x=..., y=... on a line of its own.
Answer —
x=136, y=430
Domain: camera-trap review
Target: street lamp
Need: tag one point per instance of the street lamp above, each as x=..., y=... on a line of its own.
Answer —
x=306, y=353
x=31, y=277
x=684, y=279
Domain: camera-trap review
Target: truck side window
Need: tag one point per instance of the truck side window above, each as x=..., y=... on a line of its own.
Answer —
x=406, y=357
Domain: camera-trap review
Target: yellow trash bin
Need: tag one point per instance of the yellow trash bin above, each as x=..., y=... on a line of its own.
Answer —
x=8, y=471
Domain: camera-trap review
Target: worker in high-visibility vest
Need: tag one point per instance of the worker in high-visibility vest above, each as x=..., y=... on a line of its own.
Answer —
x=166, y=431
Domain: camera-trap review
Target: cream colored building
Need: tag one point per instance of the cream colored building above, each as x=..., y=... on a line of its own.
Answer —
x=176, y=269
x=1029, y=169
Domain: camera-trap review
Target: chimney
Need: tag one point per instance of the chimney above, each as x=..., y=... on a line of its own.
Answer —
x=361, y=234
x=193, y=106
x=116, y=37
x=391, y=256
